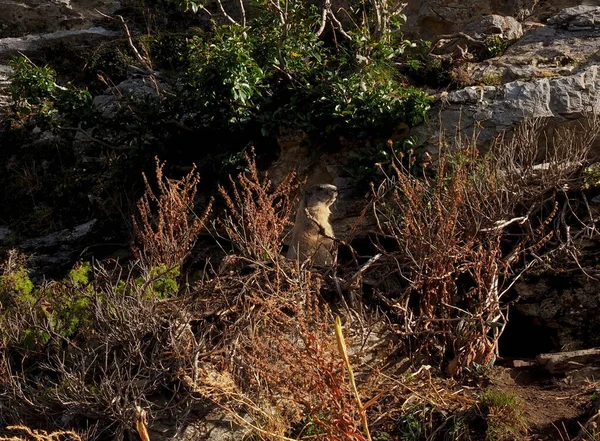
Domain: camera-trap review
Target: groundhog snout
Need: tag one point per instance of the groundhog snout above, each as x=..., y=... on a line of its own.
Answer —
x=325, y=192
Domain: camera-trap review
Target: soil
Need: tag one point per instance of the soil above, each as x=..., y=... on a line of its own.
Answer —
x=555, y=407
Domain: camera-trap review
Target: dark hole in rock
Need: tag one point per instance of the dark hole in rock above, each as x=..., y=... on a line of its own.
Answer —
x=526, y=337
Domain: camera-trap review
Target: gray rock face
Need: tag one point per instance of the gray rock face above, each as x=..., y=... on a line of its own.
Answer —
x=551, y=72
x=214, y=426
x=33, y=16
x=494, y=109
x=428, y=18
x=506, y=27
x=138, y=88
x=5, y=72
x=568, y=361
x=578, y=18
x=4, y=235
x=28, y=26
x=55, y=250
x=34, y=42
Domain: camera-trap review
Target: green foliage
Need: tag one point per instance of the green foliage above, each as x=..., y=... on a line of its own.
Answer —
x=31, y=85
x=494, y=79
x=15, y=286
x=161, y=281
x=504, y=415
x=80, y=274
x=591, y=175
x=280, y=73
x=382, y=436
x=495, y=46
x=412, y=424
x=34, y=91
x=76, y=103
x=226, y=77
x=422, y=68
x=70, y=310
x=372, y=162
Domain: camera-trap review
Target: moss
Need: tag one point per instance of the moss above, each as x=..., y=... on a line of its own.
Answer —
x=80, y=274
x=503, y=412
x=15, y=286
x=162, y=281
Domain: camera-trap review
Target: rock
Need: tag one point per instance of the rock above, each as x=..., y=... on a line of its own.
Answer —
x=583, y=375
x=137, y=88
x=562, y=362
x=428, y=18
x=578, y=18
x=505, y=27
x=33, y=42
x=4, y=235
x=55, y=251
x=214, y=426
x=5, y=73
x=566, y=306
x=33, y=16
x=59, y=238
x=520, y=363
x=545, y=51
x=491, y=110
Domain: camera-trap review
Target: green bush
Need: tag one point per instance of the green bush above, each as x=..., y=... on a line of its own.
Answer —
x=280, y=73
x=15, y=285
x=494, y=47
x=31, y=85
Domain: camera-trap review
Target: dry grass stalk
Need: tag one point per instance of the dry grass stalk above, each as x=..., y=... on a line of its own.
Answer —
x=344, y=354
x=257, y=213
x=40, y=435
x=166, y=227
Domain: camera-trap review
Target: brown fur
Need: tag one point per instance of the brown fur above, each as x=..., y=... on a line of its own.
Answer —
x=312, y=236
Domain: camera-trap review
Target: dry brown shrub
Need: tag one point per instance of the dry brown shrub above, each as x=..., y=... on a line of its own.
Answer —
x=285, y=371
x=258, y=212
x=437, y=223
x=454, y=260
x=166, y=227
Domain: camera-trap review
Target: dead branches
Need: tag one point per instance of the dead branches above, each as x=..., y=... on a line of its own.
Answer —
x=257, y=212
x=166, y=227
x=449, y=228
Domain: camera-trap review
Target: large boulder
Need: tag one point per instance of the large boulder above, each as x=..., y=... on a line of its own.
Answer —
x=551, y=72
x=427, y=19
x=35, y=16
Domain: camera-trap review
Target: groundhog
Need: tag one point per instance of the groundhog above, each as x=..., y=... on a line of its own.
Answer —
x=312, y=235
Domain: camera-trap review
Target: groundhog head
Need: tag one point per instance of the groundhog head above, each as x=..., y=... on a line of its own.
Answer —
x=324, y=194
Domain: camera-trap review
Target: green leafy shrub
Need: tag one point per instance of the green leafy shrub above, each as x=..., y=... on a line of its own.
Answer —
x=35, y=92
x=31, y=85
x=494, y=46
x=160, y=281
x=80, y=274
x=15, y=285
x=69, y=307
x=422, y=68
x=277, y=71
x=226, y=78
